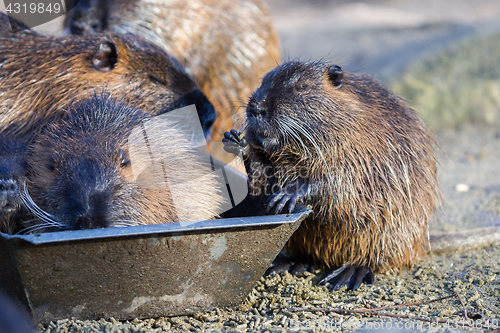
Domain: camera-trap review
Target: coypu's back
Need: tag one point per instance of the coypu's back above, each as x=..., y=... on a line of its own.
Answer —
x=83, y=172
x=40, y=76
x=366, y=157
x=12, y=178
x=226, y=45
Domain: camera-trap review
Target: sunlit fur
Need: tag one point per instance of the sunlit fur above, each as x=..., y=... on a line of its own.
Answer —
x=368, y=155
x=41, y=75
x=81, y=174
x=227, y=45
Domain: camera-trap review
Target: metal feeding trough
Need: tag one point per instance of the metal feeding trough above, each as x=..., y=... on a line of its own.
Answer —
x=142, y=271
x=148, y=271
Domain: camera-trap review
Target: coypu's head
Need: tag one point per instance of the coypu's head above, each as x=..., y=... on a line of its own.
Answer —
x=49, y=73
x=293, y=103
x=83, y=171
x=76, y=167
x=147, y=77
x=12, y=177
x=79, y=170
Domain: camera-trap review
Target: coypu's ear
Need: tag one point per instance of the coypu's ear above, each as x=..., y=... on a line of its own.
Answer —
x=106, y=56
x=336, y=75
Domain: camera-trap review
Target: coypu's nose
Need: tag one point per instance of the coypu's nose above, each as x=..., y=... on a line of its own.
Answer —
x=95, y=215
x=256, y=110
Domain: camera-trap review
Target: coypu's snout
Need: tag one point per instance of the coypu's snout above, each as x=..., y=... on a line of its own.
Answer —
x=9, y=196
x=262, y=129
x=86, y=188
x=256, y=110
x=95, y=213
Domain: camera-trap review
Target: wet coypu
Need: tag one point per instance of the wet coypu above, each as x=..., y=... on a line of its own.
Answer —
x=227, y=45
x=352, y=150
x=40, y=76
x=12, y=179
x=91, y=171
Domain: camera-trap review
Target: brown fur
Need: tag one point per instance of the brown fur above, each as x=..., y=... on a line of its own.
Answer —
x=368, y=157
x=40, y=76
x=90, y=171
x=227, y=45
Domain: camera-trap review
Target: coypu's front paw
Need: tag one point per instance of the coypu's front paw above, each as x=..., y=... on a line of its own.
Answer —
x=349, y=275
x=235, y=143
x=292, y=194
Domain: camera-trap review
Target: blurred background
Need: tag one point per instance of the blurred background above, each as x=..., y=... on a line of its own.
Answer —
x=443, y=57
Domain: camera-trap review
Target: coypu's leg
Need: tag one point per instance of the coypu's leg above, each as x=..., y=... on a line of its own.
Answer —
x=235, y=143
x=349, y=275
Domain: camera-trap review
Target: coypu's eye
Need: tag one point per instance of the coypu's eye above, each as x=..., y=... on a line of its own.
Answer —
x=301, y=87
x=336, y=75
x=106, y=57
x=157, y=80
x=123, y=158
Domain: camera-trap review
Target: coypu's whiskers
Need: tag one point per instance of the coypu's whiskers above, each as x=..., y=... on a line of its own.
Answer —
x=127, y=223
x=48, y=219
x=308, y=136
x=238, y=119
x=36, y=227
x=293, y=135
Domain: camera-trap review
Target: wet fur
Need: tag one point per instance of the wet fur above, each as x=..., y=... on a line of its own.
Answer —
x=367, y=155
x=40, y=76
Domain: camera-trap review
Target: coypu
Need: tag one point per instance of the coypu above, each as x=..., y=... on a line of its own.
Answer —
x=352, y=150
x=12, y=178
x=85, y=171
x=40, y=76
x=227, y=45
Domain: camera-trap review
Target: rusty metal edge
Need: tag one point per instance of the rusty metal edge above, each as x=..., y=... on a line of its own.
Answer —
x=179, y=227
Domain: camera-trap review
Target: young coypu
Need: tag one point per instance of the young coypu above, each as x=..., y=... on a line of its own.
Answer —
x=12, y=178
x=40, y=76
x=91, y=171
x=227, y=45
x=352, y=150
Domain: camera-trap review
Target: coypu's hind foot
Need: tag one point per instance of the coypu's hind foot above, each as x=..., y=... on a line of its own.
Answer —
x=349, y=275
x=235, y=143
x=292, y=264
x=293, y=267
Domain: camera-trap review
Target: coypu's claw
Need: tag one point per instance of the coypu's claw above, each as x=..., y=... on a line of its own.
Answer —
x=235, y=143
x=349, y=275
x=292, y=194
